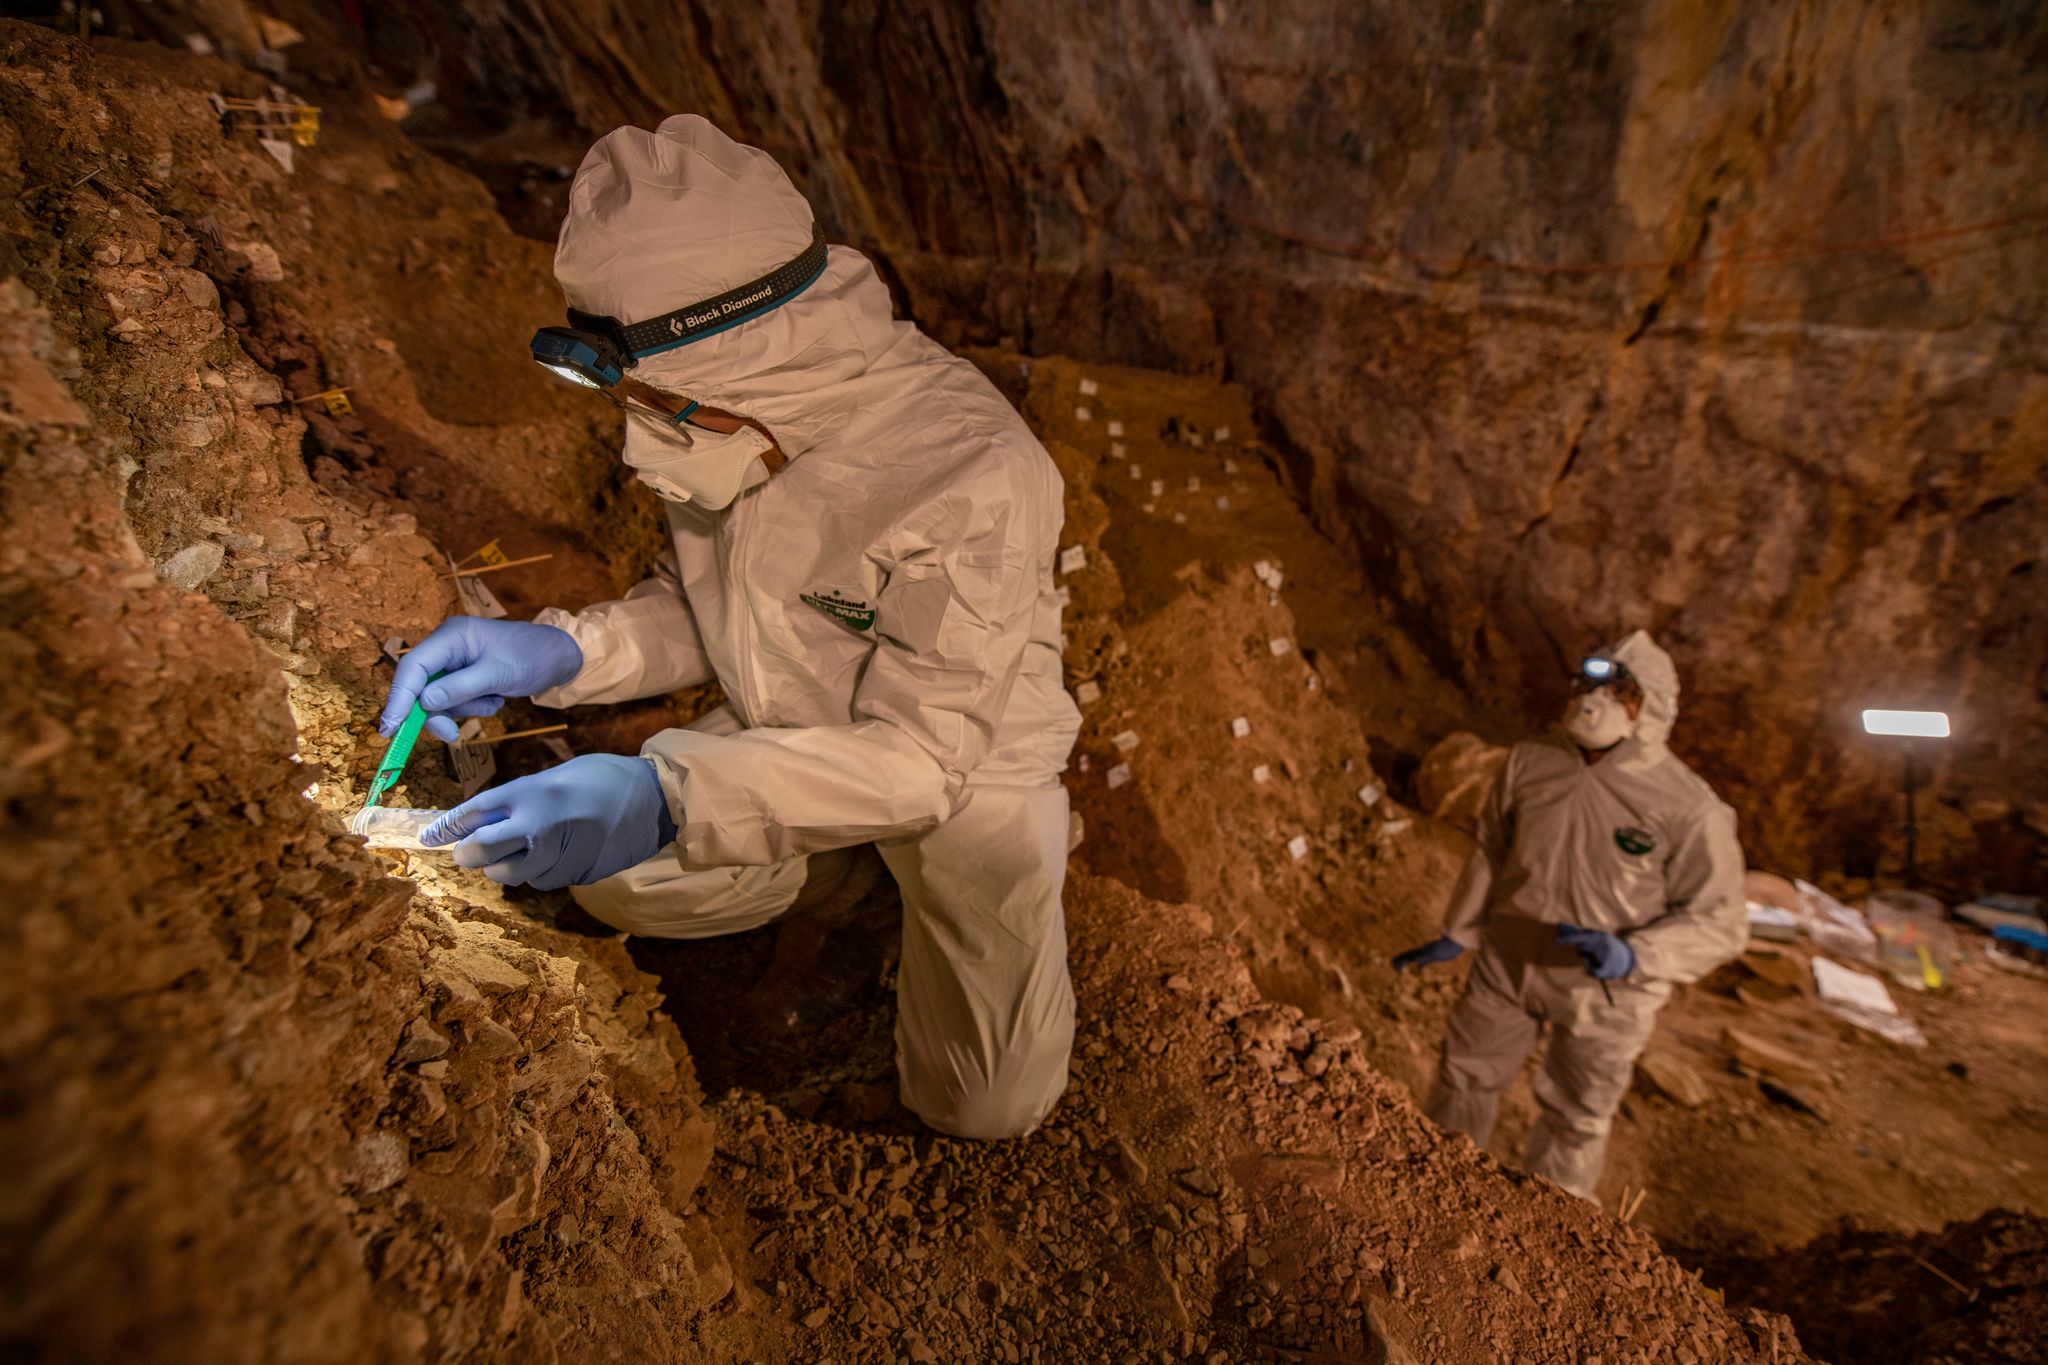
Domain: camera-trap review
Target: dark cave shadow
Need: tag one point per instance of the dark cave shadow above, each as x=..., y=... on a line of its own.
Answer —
x=801, y=1011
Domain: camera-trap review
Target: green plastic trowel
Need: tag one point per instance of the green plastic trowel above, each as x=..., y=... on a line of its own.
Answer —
x=392, y=766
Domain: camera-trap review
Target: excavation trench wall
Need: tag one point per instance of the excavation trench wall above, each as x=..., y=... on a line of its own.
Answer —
x=1718, y=320
x=261, y=1100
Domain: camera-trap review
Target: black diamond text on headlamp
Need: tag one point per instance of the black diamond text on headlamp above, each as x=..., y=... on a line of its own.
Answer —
x=694, y=322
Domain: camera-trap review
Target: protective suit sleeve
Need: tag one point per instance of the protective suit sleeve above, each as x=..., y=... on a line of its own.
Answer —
x=1705, y=923
x=952, y=626
x=1466, y=915
x=642, y=645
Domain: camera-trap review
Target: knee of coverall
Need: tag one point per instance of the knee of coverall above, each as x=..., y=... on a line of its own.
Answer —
x=993, y=1113
x=659, y=899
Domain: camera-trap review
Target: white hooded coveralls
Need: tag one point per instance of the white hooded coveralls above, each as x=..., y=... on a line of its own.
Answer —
x=880, y=614
x=1635, y=844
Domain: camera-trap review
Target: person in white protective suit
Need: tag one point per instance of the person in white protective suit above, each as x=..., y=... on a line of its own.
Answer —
x=864, y=534
x=1606, y=873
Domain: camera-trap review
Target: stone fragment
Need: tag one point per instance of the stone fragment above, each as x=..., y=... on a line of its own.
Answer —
x=193, y=565
x=1768, y=1059
x=377, y=1161
x=1670, y=1075
x=422, y=1043
x=1456, y=776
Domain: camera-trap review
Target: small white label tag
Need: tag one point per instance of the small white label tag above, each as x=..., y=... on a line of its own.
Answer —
x=478, y=599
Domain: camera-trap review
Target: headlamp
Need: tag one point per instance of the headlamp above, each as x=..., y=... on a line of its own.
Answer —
x=597, y=350
x=1598, y=670
x=579, y=356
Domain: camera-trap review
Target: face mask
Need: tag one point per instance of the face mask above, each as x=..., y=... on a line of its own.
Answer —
x=711, y=471
x=1597, y=720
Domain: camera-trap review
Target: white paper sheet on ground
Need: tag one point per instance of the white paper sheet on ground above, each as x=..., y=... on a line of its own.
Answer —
x=1073, y=559
x=1081, y=763
x=1223, y=433
x=1158, y=488
x=1126, y=741
x=1195, y=441
x=1393, y=827
x=478, y=599
x=1370, y=793
x=1137, y=473
x=1297, y=847
x=1089, y=388
x=1119, y=775
x=1840, y=985
x=1117, y=450
x=1088, y=692
x=1279, y=645
x=395, y=647
x=1262, y=774
x=1083, y=415
x=558, y=748
x=1180, y=518
x=279, y=149
x=1240, y=727
x=1150, y=507
x=1116, y=428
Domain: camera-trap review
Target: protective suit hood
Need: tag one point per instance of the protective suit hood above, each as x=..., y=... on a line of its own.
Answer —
x=1658, y=676
x=659, y=220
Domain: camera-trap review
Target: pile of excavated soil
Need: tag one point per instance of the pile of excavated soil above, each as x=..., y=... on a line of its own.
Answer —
x=268, y=1100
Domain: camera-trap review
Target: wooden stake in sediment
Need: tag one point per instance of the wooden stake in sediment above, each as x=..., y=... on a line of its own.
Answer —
x=517, y=734
x=493, y=568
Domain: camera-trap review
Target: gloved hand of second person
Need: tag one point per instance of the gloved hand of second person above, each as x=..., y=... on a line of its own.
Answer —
x=1429, y=954
x=1607, y=957
x=482, y=662
x=569, y=826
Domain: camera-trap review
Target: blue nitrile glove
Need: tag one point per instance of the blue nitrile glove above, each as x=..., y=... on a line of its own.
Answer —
x=1429, y=954
x=569, y=826
x=484, y=661
x=1607, y=957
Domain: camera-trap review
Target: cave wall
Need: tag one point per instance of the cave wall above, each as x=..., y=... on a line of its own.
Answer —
x=260, y=1098
x=1721, y=320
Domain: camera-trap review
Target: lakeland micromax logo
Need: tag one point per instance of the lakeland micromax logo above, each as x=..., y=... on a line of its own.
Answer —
x=848, y=611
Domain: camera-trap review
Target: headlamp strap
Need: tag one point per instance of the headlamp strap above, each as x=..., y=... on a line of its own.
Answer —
x=694, y=322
